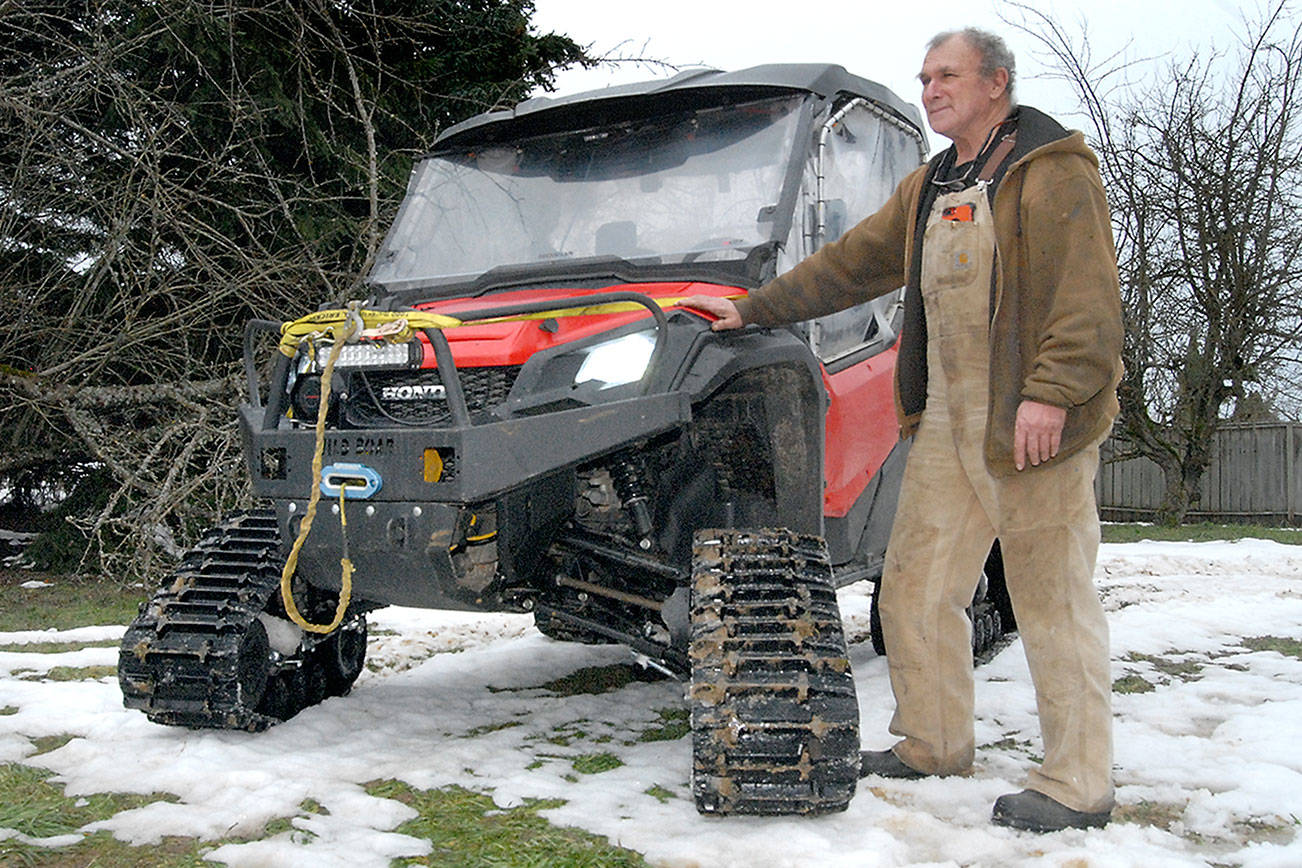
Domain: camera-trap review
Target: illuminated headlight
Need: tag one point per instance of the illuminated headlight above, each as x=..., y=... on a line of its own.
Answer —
x=618, y=361
x=370, y=354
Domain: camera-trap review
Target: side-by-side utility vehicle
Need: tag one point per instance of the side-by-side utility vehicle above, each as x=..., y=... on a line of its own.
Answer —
x=521, y=417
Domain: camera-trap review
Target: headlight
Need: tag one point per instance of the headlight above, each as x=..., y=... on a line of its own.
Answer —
x=617, y=361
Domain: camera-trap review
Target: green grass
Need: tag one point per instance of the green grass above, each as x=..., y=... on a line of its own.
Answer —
x=1007, y=743
x=1161, y=815
x=74, y=673
x=659, y=793
x=466, y=830
x=1202, y=532
x=593, y=679
x=564, y=738
x=1185, y=670
x=491, y=727
x=1279, y=644
x=675, y=723
x=38, y=809
x=1132, y=684
x=68, y=603
x=1167, y=668
x=596, y=763
x=47, y=743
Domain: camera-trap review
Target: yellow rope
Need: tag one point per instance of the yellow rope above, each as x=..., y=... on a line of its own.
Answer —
x=395, y=325
x=305, y=527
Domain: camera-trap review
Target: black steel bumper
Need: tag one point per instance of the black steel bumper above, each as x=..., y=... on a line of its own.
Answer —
x=481, y=461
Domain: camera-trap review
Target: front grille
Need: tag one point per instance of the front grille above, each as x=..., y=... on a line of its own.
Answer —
x=412, y=401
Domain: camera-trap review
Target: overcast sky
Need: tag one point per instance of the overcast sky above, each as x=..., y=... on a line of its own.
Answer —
x=881, y=41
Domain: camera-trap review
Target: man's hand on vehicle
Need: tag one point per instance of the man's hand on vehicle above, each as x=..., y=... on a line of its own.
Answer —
x=724, y=311
x=1038, y=433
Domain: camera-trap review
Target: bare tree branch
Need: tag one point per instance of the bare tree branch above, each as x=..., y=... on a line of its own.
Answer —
x=1203, y=167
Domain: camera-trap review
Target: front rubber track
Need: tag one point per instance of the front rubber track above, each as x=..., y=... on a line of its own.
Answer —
x=198, y=654
x=775, y=720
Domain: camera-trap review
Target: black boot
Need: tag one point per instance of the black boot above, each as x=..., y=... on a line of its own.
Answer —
x=886, y=764
x=1036, y=812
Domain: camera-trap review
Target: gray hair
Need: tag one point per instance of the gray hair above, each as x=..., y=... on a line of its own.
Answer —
x=993, y=50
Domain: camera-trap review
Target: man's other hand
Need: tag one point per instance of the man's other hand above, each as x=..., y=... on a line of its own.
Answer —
x=1038, y=433
x=722, y=309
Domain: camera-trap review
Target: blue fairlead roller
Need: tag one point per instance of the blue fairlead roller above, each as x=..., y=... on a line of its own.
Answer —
x=358, y=481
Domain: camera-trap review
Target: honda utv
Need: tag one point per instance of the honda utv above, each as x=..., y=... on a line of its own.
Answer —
x=521, y=417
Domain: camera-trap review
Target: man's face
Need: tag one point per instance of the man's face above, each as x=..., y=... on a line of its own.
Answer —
x=959, y=101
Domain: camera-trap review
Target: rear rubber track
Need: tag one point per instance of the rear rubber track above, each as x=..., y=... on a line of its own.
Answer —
x=198, y=655
x=775, y=721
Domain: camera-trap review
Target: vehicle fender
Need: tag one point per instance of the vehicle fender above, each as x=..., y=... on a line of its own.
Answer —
x=767, y=382
x=717, y=357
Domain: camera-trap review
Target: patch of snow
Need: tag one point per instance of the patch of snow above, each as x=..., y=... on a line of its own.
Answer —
x=1208, y=763
x=52, y=841
x=27, y=663
x=283, y=635
x=75, y=635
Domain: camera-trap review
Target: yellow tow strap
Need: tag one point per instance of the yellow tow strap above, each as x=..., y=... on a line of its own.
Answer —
x=341, y=331
x=399, y=326
x=341, y=325
x=396, y=326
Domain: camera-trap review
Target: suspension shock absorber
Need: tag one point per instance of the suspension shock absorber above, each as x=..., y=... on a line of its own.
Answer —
x=628, y=476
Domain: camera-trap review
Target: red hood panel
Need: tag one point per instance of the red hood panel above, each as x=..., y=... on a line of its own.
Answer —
x=512, y=343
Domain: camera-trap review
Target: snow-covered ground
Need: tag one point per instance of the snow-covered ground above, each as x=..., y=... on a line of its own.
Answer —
x=1208, y=762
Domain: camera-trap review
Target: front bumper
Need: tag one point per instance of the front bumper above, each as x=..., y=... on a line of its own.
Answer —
x=481, y=461
x=411, y=540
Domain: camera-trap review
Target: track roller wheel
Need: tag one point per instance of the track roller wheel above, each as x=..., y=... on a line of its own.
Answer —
x=286, y=694
x=342, y=656
x=254, y=664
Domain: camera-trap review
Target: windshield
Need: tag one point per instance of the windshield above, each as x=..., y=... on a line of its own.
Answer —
x=692, y=186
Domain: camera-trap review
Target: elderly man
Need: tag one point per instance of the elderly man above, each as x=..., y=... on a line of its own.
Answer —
x=1006, y=377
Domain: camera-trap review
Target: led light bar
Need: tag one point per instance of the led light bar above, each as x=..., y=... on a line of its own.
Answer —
x=368, y=354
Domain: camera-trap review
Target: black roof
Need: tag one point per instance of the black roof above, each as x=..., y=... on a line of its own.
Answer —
x=687, y=89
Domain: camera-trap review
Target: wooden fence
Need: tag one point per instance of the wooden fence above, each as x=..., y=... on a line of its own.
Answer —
x=1255, y=477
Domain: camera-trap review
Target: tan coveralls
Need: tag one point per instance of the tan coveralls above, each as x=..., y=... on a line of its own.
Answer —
x=951, y=509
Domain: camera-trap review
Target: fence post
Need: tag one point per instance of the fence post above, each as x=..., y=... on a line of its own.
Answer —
x=1290, y=480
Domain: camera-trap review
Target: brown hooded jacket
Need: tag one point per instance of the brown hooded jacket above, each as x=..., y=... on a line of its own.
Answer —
x=1055, y=332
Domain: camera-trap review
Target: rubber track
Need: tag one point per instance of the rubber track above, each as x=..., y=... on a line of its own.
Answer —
x=988, y=634
x=775, y=721
x=180, y=660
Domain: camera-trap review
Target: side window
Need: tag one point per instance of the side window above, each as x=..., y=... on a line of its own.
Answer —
x=863, y=157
